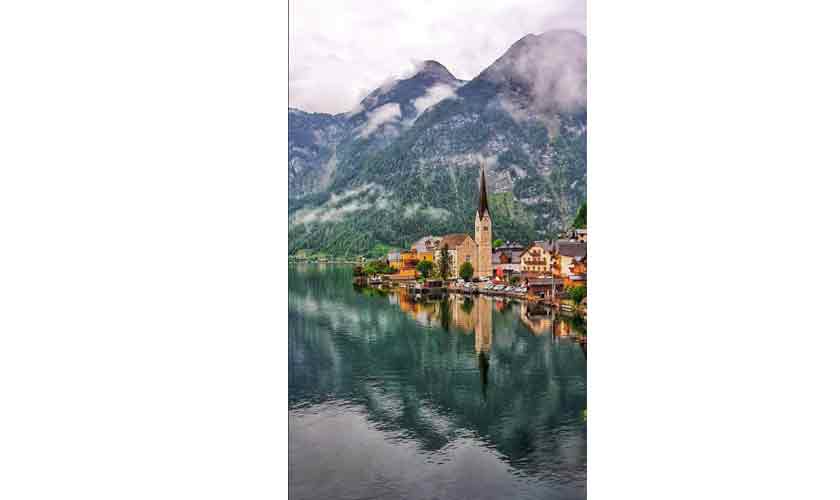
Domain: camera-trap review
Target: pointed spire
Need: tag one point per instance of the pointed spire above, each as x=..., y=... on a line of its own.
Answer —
x=482, y=197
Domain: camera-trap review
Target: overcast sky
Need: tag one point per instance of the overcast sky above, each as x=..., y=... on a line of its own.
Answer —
x=342, y=49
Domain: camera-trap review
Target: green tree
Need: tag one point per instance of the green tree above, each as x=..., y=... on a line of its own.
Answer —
x=425, y=268
x=577, y=293
x=497, y=243
x=580, y=218
x=444, y=262
x=466, y=271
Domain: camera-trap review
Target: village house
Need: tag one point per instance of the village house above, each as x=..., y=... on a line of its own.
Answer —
x=577, y=273
x=426, y=244
x=564, y=254
x=507, y=260
x=542, y=287
x=394, y=259
x=407, y=266
x=536, y=259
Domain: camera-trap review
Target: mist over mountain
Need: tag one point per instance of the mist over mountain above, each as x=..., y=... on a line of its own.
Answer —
x=404, y=163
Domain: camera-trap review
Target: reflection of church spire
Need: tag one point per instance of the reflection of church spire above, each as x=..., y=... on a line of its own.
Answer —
x=483, y=339
x=483, y=368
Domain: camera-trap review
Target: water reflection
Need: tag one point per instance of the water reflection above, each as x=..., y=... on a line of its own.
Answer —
x=456, y=390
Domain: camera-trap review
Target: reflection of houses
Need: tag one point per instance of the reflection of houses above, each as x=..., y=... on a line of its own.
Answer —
x=464, y=314
x=425, y=313
x=462, y=249
x=507, y=259
x=562, y=328
x=483, y=324
x=580, y=235
x=535, y=318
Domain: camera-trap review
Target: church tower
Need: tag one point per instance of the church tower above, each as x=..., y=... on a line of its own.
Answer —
x=483, y=232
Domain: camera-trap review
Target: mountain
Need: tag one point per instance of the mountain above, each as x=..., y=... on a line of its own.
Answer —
x=405, y=162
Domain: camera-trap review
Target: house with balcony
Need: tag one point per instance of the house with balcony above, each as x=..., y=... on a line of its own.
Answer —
x=536, y=259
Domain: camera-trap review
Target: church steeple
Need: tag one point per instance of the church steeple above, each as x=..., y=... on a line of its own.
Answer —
x=483, y=231
x=482, y=197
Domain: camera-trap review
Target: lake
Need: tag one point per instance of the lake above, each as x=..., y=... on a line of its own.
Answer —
x=455, y=399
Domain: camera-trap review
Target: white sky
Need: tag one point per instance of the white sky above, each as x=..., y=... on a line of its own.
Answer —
x=341, y=50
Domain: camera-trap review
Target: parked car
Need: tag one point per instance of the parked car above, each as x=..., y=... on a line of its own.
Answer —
x=510, y=289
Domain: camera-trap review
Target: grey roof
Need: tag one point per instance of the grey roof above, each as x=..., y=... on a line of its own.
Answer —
x=570, y=248
x=567, y=248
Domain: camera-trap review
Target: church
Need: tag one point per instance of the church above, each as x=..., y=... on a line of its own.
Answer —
x=483, y=232
x=477, y=251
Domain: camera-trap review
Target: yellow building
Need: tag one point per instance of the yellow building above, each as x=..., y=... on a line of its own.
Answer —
x=427, y=256
x=407, y=266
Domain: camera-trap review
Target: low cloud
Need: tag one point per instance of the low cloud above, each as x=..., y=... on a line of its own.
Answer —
x=326, y=214
x=380, y=116
x=338, y=206
x=434, y=95
x=429, y=212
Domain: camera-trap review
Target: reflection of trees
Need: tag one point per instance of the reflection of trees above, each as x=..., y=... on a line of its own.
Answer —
x=511, y=389
x=467, y=305
x=445, y=314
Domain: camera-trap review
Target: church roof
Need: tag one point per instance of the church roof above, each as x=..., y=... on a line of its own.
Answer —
x=453, y=240
x=482, y=197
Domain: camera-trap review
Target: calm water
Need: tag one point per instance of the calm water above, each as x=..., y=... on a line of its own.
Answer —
x=457, y=399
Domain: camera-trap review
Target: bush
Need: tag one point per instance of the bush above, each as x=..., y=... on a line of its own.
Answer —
x=378, y=267
x=466, y=271
x=577, y=293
